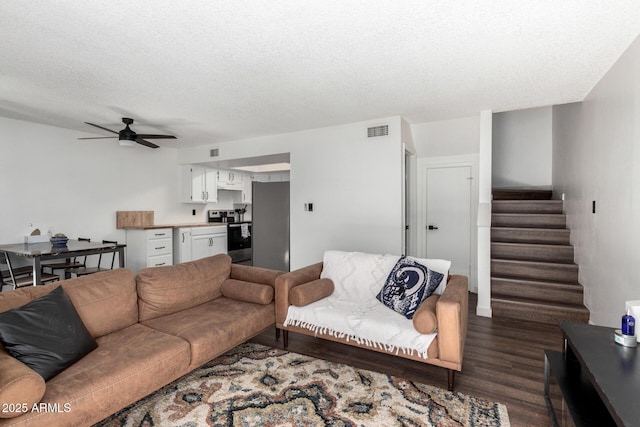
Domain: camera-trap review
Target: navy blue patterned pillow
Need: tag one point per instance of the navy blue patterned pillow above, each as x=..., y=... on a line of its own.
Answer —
x=408, y=284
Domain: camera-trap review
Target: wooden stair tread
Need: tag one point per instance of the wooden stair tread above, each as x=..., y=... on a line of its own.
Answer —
x=536, y=263
x=527, y=206
x=533, y=235
x=551, y=271
x=527, y=215
x=537, y=245
x=532, y=252
x=526, y=201
x=520, y=194
x=529, y=220
x=536, y=303
x=540, y=230
x=536, y=282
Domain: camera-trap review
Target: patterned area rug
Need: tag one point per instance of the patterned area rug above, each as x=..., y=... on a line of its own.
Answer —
x=255, y=385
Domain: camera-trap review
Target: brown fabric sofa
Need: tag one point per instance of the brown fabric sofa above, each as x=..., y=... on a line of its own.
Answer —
x=447, y=312
x=151, y=329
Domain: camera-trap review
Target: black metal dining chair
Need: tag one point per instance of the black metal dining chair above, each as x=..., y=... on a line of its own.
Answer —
x=20, y=276
x=83, y=271
x=75, y=262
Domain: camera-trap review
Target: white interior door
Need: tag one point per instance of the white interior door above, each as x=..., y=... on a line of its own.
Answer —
x=448, y=216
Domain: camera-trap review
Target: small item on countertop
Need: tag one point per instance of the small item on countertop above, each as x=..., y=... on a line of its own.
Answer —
x=628, y=324
x=624, y=340
x=36, y=237
x=59, y=239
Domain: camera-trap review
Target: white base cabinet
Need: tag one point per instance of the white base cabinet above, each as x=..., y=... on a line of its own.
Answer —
x=149, y=248
x=192, y=243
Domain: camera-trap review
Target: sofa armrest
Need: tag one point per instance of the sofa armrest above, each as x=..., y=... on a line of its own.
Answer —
x=19, y=385
x=286, y=282
x=248, y=273
x=452, y=313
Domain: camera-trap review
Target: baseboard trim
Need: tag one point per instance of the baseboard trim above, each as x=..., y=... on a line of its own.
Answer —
x=483, y=311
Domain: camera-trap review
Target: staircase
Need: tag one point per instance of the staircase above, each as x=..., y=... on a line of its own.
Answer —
x=533, y=276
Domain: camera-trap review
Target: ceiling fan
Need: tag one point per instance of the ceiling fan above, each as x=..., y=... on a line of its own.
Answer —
x=127, y=137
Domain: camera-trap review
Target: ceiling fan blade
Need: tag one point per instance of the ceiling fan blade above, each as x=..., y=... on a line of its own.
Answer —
x=146, y=143
x=152, y=136
x=100, y=137
x=103, y=128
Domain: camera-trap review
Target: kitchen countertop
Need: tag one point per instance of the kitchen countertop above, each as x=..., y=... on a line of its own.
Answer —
x=196, y=224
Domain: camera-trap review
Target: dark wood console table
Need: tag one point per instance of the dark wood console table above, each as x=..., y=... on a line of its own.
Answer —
x=599, y=380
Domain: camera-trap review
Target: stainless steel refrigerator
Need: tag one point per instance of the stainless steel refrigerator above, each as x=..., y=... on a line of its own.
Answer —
x=270, y=218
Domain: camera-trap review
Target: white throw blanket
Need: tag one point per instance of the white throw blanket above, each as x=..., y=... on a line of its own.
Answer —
x=352, y=312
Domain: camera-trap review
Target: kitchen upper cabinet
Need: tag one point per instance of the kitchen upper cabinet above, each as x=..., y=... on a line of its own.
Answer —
x=247, y=189
x=230, y=180
x=199, y=184
x=272, y=177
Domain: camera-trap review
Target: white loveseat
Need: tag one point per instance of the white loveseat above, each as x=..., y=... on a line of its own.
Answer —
x=337, y=300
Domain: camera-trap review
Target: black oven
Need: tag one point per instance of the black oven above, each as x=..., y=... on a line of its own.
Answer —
x=239, y=242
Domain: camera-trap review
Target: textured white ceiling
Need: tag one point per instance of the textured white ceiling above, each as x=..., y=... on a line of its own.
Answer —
x=210, y=71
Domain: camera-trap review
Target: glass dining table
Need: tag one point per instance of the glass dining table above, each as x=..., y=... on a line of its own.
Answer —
x=38, y=252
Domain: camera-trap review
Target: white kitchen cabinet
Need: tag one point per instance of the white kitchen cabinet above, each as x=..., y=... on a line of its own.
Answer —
x=247, y=189
x=149, y=248
x=230, y=180
x=272, y=177
x=192, y=243
x=199, y=184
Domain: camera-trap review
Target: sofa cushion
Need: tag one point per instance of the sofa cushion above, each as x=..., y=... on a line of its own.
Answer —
x=215, y=326
x=169, y=289
x=309, y=292
x=20, y=386
x=106, y=301
x=46, y=334
x=247, y=291
x=127, y=365
x=424, y=319
x=20, y=297
x=408, y=284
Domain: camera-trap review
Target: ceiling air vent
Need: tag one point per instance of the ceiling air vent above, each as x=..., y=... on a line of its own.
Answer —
x=214, y=152
x=375, y=131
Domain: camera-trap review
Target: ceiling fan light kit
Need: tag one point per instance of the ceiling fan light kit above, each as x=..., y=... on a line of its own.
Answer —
x=126, y=143
x=127, y=137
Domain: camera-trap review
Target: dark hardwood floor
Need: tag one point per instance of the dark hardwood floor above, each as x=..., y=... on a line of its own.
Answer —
x=503, y=361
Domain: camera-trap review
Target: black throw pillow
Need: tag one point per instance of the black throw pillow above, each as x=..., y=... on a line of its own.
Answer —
x=46, y=334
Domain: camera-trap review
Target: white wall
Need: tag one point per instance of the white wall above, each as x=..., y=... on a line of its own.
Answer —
x=522, y=148
x=597, y=157
x=447, y=137
x=53, y=181
x=354, y=183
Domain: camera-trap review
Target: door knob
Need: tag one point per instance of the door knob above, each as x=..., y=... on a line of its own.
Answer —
x=432, y=227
